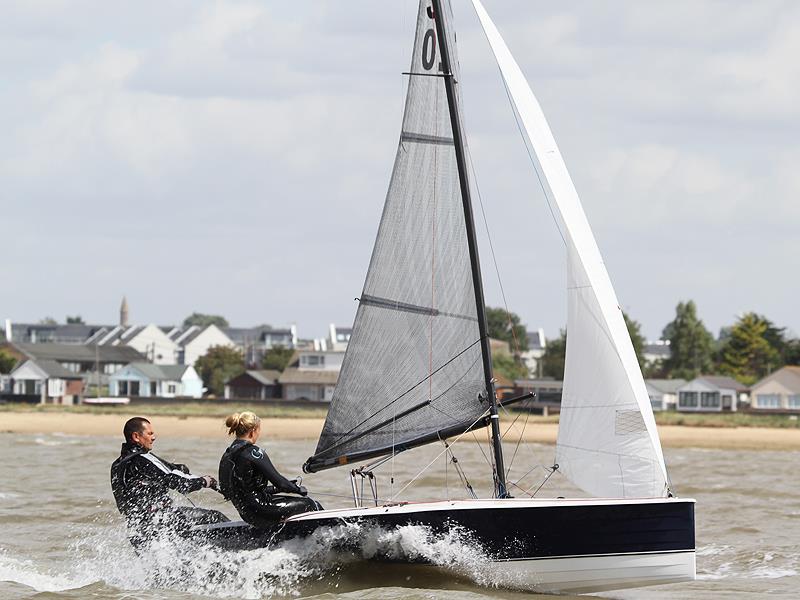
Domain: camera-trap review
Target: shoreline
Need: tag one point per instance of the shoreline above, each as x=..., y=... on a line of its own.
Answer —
x=672, y=436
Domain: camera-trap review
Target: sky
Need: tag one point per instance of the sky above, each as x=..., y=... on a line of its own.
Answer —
x=232, y=157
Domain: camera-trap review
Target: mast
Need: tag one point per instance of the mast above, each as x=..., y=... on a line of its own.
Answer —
x=452, y=101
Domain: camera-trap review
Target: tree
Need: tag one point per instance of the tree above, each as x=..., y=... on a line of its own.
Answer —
x=76, y=320
x=203, y=320
x=217, y=366
x=792, y=356
x=747, y=354
x=7, y=362
x=277, y=358
x=508, y=366
x=503, y=325
x=554, y=358
x=635, y=331
x=691, y=345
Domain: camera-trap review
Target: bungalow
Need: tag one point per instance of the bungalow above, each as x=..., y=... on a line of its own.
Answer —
x=711, y=393
x=778, y=391
x=156, y=381
x=48, y=380
x=313, y=376
x=663, y=393
x=255, y=384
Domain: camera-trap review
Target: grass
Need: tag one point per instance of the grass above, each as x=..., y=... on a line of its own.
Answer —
x=727, y=420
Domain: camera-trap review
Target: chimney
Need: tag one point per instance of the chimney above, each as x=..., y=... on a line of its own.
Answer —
x=8, y=330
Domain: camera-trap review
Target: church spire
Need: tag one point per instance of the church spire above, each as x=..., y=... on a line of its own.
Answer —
x=123, y=312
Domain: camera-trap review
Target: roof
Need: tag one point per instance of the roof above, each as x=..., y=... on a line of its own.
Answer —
x=309, y=376
x=160, y=372
x=536, y=340
x=73, y=333
x=265, y=376
x=721, y=381
x=792, y=381
x=78, y=352
x=666, y=386
x=53, y=369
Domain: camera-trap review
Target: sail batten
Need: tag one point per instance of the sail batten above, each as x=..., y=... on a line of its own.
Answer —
x=601, y=447
x=414, y=363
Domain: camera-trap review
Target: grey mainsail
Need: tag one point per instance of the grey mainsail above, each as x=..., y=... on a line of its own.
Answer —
x=413, y=370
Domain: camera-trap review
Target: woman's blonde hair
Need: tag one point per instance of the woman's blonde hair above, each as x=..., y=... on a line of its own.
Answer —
x=242, y=423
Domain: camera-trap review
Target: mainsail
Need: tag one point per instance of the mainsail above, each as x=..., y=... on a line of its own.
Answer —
x=607, y=441
x=413, y=369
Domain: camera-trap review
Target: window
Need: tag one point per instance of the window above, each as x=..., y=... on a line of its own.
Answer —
x=172, y=388
x=688, y=399
x=768, y=401
x=709, y=399
x=793, y=400
x=313, y=360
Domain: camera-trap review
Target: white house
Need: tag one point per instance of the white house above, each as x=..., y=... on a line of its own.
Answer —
x=778, y=391
x=711, y=393
x=47, y=379
x=149, y=340
x=193, y=342
x=532, y=357
x=162, y=381
x=313, y=376
x=664, y=393
x=338, y=338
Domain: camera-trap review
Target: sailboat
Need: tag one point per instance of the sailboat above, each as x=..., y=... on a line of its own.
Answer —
x=418, y=366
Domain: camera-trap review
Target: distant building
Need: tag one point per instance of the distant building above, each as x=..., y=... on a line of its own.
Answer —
x=47, y=379
x=255, y=384
x=38, y=333
x=313, y=376
x=195, y=341
x=78, y=358
x=778, y=391
x=664, y=393
x=338, y=338
x=532, y=357
x=254, y=342
x=149, y=340
x=143, y=379
x=711, y=393
x=656, y=352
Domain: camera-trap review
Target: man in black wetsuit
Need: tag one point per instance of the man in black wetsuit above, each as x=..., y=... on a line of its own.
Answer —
x=250, y=481
x=141, y=482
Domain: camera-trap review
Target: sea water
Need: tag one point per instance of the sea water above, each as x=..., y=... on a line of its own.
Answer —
x=60, y=533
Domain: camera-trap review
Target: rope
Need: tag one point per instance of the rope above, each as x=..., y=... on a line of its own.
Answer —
x=428, y=466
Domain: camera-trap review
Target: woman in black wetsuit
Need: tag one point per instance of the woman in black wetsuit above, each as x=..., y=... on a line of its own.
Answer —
x=249, y=480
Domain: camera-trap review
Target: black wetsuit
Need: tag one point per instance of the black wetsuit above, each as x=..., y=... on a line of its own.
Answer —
x=141, y=482
x=249, y=480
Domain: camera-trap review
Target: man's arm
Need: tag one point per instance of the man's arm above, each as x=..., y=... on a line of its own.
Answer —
x=174, y=478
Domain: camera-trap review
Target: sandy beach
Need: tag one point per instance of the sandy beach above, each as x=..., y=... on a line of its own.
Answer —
x=672, y=436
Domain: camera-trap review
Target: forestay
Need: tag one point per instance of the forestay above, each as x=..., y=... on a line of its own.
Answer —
x=607, y=440
x=413, y=368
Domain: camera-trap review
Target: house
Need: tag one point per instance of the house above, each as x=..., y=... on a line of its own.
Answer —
x=147, y=380
x=193, y=342
x=663, y=393
x=55, y=333
x=778, y=391
x=149, y=340
x=656, y=352
x=547, y=393
x=313, y=376
x=254, y=384
x=711, y=393
x=78, y=358
x=48, y=380
x=338, y=338
x=532, y=357
x=255, y=341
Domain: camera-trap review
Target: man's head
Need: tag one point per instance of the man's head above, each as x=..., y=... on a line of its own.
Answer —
x=138, y=430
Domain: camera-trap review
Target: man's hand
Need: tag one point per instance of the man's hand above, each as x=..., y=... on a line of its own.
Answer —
x=210, y=482
x=303, y=491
